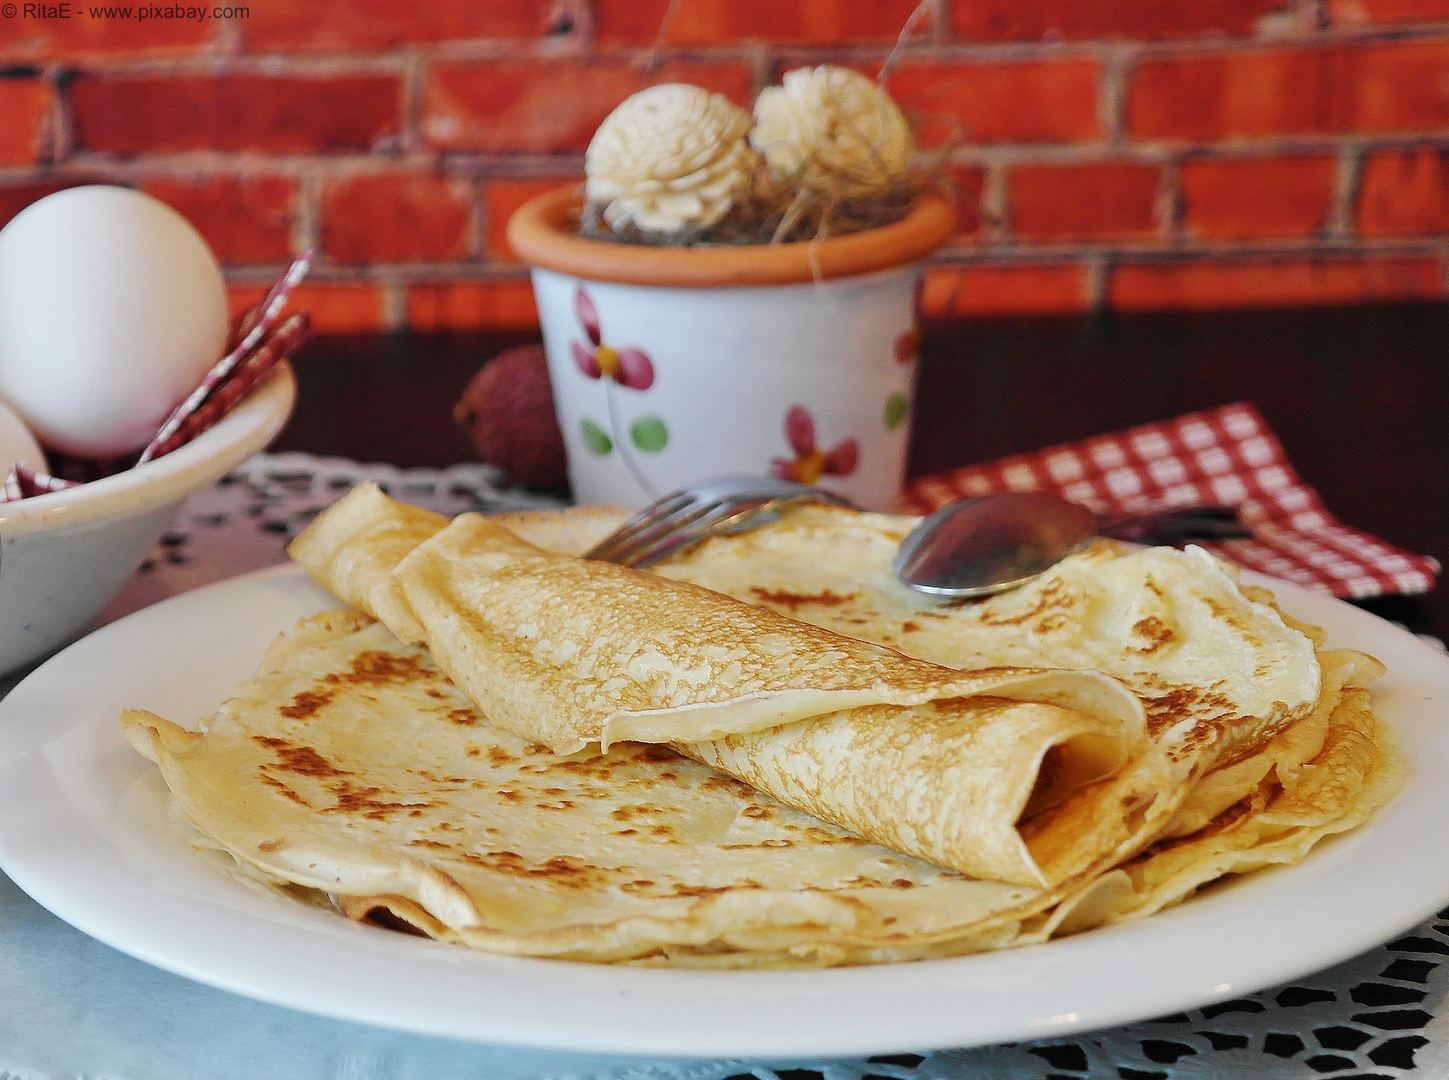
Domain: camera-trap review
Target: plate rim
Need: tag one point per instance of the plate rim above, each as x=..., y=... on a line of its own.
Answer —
x=925, y=1026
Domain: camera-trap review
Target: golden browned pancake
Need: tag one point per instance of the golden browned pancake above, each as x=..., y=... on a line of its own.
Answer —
x=569, y=652
x=351, y=767
x=458, y=782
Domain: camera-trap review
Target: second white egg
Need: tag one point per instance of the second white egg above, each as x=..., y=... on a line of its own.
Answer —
x=112, y=308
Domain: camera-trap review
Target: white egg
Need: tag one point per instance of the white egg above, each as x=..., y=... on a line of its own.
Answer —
x=112, y=308
x=17, y=445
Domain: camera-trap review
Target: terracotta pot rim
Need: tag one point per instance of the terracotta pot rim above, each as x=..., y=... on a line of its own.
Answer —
x=539, y=231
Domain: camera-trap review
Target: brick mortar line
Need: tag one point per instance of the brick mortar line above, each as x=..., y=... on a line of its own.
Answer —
x=503, y=273
x=307, y=225
x=564, y=166
x=1289, y=142
x=229, y=39
x=420, y=155
x=216, y=162
x=1253, y=251
x=393, y=59
x=218, y=51
x=1009, y=154
x=1112, y=88
x=410, y=103
x=1164, y=153
x=1099, y=47
x=228, y=162
x=1080, y=48
x=186, y=66
x=187, y=167
x=1056, y=252
x=385, y=273
x=995, y=205
x=1169, y=206
x=416, y=273
x=762, y=70
x=211, y=59
x=462, y=52
x=211, y=163
x=394, y=305
x=1098, y=273
x=62, y=130
x=514, y=165
x=475, y=234
x=938, y=24
x=1347, y=172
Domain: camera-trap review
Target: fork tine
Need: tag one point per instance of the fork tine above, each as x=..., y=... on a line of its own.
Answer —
x=726, y=518
x=769, y=509
x=718, y=517
x=646, y=518
x=626, y=547
x=683, y=517
x=644, y=540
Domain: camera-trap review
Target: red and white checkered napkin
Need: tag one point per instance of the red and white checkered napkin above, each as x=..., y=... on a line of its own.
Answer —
x=1226, y=455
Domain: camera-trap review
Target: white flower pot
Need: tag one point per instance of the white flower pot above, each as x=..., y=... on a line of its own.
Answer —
x=671, y=365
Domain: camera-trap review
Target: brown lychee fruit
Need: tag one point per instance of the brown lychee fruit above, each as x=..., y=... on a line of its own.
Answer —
x=507, y=414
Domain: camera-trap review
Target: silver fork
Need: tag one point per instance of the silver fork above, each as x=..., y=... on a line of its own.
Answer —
x=693, y=514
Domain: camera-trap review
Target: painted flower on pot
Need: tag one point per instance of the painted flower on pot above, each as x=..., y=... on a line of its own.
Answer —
x=906, y=345
x=897, y=408
x=897, y=405
x=628, y=367
x=810, y=463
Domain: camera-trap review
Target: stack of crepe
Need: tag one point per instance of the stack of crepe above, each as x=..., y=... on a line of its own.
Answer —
x=767, y=753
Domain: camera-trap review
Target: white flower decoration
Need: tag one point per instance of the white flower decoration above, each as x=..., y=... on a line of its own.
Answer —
x=670, y=157
x=832, y=129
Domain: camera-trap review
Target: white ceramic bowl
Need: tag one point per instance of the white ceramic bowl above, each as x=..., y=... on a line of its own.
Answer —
x=63, y=555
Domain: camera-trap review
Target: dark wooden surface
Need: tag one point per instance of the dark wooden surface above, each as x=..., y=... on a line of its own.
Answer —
x=1359, y=397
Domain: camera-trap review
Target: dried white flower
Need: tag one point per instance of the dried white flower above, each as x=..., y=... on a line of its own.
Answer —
x=834, y=130
x=670, y=157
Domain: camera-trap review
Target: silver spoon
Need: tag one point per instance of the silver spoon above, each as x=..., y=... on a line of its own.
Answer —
x=986, y=545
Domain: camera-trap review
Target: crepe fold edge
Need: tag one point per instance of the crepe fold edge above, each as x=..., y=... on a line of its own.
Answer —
x=568, y=653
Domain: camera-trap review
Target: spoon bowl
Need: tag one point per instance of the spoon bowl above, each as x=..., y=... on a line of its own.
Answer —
x=986, y=545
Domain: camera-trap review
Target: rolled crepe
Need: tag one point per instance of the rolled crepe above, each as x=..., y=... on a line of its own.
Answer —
x=1232, y=686
x=930, y=761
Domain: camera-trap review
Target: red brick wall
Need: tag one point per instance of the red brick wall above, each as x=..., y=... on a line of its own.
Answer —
x=1139, y=154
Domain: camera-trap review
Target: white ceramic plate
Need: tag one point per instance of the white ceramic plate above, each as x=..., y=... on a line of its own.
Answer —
x=83, y=829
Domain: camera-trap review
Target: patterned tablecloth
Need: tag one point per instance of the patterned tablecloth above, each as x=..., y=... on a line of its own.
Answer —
x=75, y=1008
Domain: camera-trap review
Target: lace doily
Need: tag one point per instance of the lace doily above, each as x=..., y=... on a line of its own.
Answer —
x=1378, y=1015
x=244, y=522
